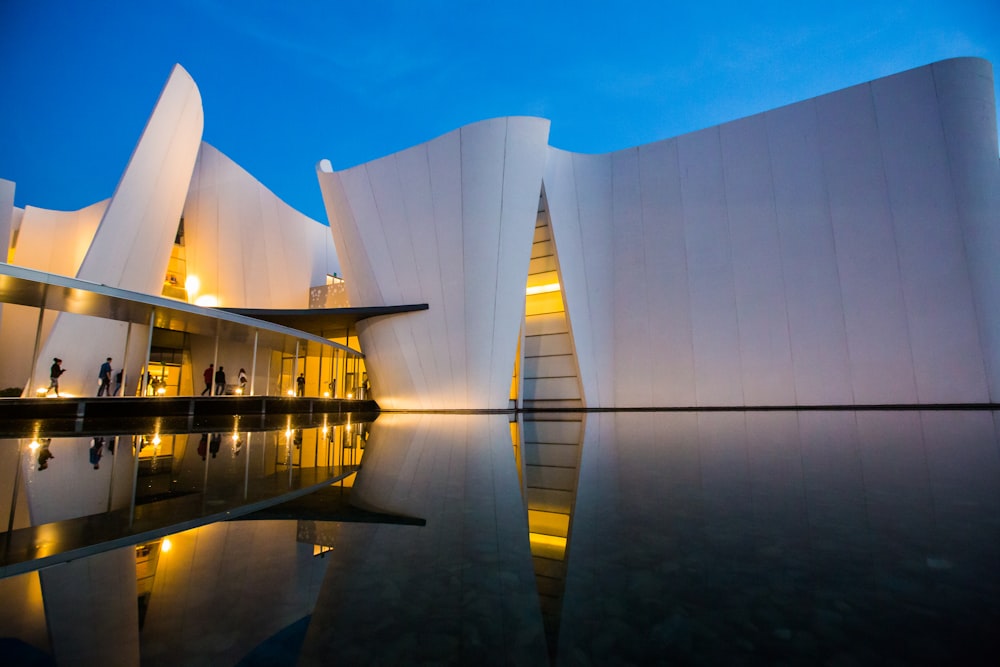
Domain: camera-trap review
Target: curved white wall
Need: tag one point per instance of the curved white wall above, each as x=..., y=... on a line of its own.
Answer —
x=132, y=244
x=963, y=89
x=57, y=241
x=828, y=252
x=50, y=241
x=247, y=247
x=448, y=223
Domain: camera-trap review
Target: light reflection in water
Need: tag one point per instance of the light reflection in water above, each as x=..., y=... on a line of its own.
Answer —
x=693, y=538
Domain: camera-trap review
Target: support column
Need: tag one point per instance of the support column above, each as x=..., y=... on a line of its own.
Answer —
x=38, y=343
x=128, y=338
x=215, y=359
x=149, y=349
x=253, y=364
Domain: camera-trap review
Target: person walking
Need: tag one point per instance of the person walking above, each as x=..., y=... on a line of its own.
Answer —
x=220, y=381
x=207, y=375
x=243, y=381
x=104, y=375
x=55, y=372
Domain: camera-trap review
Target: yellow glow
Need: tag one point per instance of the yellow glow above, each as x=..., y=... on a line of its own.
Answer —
x=326, y=394
x=348, y=427
x=161, y=391
x=239, y=390
x=291, y=392
x=207, y=301
x=350, y=396
x=156, y=439
x=166, y=545
x=542, y=289
x=288, y=433
x=548, y=546
x=34, y=445
x=41, y=391
x=193, y=285
x=325, y=429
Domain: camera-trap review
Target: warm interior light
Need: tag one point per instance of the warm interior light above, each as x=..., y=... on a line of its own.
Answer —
x=192, y=284
x=542, y=289
x=161, y=391
x=325, y=429
x=34, y=445
x=41, y=391
x=166, y=545
x=291, y=392
x=547, y=546
x=288, y=433
x=156, y=440
x=207, y=301
x=326, y=394
x=348, y=427
x=350, y=396
x=236, y=436
x=239, y=390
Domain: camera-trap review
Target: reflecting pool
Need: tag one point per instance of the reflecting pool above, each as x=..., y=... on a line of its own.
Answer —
x=771, y=537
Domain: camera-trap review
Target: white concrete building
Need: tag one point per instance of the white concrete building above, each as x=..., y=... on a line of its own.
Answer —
x=184, y=222
x=837, y=251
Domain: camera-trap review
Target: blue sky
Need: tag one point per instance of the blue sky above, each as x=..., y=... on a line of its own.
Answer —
x=287, y=84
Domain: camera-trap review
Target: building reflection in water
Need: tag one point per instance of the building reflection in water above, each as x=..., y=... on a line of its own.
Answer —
x=866, y=537
x=551, y=444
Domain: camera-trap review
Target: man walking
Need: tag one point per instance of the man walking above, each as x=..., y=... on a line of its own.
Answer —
x=220, y=381
x=104, y=375
x=207, y=375
x=54, y=374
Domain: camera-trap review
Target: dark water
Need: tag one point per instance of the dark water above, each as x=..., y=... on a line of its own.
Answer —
x=758, y=538
x=786, y=538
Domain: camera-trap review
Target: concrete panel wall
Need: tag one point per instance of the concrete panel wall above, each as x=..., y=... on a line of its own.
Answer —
x=51, y=241
x=131, y=246
x=448, y=223
x=6, y=216
x=586, y=260
x=834, y=251
x=967, y=108
x=57, y=241
x=808, y=257
x=247, y=247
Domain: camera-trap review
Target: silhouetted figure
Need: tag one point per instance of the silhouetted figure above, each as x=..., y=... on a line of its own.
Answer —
x=55, y=372
x=301, y=382
x=44, y=454
x=118, y=381
x=215, y=444
x=96, y=449
x=104, y=375
x=220, y=381
x=203, y=446
x=207, y=375
x=243, y=381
